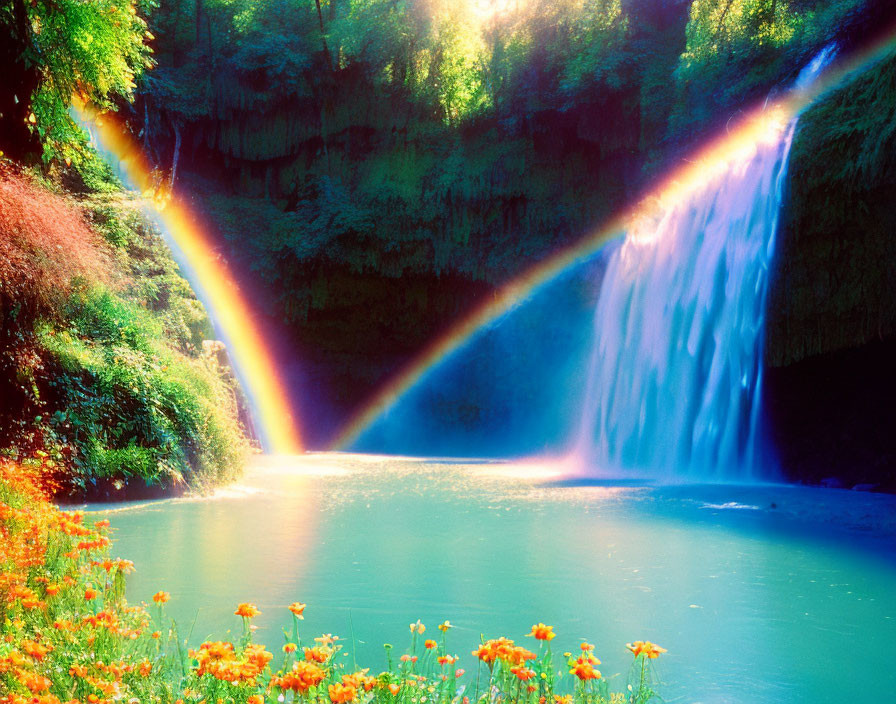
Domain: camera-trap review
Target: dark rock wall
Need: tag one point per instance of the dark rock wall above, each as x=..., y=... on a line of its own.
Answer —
x=836, y=252
x=834, y=416
x=831, y=334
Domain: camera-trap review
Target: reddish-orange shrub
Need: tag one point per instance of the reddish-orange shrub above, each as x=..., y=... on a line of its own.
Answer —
x=45, y=242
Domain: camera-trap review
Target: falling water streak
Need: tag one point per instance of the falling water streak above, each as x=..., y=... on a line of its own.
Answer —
x=675, y=376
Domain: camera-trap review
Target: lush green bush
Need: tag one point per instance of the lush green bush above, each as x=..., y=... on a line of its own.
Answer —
x=106, y=375
x=131, y=404
x=151, y=275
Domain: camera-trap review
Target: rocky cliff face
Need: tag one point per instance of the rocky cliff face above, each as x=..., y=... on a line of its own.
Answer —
x=836, y=273
x=831, y=335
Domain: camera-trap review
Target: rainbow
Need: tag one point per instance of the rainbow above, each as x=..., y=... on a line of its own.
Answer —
x=758, y=126
x=217, y=287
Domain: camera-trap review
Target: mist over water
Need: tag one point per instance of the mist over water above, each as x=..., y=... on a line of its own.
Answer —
x=514, y=389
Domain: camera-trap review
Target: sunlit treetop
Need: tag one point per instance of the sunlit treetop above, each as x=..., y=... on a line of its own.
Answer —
x=462, y=57
x=486, y=9
x=720, y=27
x=717, y=26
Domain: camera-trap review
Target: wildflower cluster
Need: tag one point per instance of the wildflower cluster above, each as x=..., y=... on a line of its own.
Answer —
x=69, y=636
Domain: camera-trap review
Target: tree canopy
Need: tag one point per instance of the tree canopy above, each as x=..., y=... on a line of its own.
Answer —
x=59, y=49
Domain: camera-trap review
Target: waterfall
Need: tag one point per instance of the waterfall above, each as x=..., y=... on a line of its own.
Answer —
x=674, y=379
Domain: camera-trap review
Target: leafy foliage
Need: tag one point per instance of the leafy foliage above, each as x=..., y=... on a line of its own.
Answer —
x=139, y=407
x=736, y=49
x=92, y=50
x=102, y=357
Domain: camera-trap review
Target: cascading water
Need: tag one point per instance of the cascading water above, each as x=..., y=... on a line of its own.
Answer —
x=675, y=375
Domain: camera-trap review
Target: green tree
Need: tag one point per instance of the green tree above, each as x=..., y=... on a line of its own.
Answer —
x=61, y=49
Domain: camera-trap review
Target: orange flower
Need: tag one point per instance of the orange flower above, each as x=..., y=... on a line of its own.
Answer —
x=220, y=660
x=161, y=597
x=394, y=689
x=368, y=683
x=317, y=654
x=588, y=656
x=247, y=610
x=297, y=609
x=290, y=648
x=341, y=694
x=359, y=680
x=418, y=627
x=443, y=627
x=255, y=699
x=542, y=632
x=211, y=654
x=484, y=654
x=36, y=650
x=584, y=670
x=430, y=644
x=257, y=656
x=36, y=683
x=523, y=673
x=503, y=649
x=90, y=594
x=145, y=668
x=156, y=635
x=446, y=660
x=517, y=656
x=125, y=566
x=301, y=678
x=651, y=650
